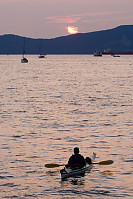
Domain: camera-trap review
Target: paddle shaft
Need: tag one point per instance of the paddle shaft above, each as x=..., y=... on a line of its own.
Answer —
x=106, y=162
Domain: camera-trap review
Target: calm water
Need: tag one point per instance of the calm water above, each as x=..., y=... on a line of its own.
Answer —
x=51, y=105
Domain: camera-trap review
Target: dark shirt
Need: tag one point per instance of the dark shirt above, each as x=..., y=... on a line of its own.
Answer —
x=76, y=160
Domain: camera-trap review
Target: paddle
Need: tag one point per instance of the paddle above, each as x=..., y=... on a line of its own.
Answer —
x=53, y=165
x=106, y=162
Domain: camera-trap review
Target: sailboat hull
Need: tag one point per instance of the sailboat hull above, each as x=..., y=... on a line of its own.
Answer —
x=24, y=60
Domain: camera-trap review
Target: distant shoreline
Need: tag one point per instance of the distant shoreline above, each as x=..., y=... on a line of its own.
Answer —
x=118, y=40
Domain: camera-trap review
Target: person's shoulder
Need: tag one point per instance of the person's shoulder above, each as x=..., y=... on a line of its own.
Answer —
x=71, y=156
x=81, y=156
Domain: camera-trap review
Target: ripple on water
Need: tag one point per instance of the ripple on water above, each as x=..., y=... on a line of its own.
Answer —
x=50, y=106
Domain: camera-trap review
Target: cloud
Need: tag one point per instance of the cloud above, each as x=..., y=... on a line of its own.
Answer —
x=64, y=19
x=83, y=17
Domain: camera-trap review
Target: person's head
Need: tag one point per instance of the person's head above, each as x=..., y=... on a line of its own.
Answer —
x=76, y=150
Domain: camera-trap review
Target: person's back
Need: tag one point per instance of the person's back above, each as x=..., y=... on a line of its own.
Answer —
x=76, y=160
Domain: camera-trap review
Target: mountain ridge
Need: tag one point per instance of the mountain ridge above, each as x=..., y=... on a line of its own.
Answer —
x=115, y=39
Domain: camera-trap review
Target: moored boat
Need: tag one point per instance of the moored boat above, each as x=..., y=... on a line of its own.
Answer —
x=42, y=55
x=97, y=54
x=68, y=172
x=117, y=53
x=24, y=59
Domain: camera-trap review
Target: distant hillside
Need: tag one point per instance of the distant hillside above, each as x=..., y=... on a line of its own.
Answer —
x=117, y=39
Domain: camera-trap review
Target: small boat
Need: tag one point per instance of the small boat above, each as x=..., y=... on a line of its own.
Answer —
x=24, y=60
x=42, y=55
x=68, y=172
x=116, y=55
x=98, y=54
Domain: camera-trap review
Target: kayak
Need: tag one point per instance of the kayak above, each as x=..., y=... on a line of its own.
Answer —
x=68, y=172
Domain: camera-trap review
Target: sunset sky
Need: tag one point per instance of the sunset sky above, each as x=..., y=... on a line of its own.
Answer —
x=54, y=18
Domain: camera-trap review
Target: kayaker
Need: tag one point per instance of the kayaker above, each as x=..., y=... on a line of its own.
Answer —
x=76, y=160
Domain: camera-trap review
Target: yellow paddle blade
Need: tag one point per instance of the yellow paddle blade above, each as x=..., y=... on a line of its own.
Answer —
x=52, y=165
x=106, y=162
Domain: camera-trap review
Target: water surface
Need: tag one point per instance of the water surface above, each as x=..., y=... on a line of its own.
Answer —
x=49, y=106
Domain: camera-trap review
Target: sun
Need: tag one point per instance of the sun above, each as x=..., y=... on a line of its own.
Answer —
x=72, y=29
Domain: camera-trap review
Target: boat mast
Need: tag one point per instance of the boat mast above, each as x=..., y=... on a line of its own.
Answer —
x=24, y=48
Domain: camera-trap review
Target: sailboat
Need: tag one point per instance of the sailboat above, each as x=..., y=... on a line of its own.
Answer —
x=24, y=60
x=40, y=54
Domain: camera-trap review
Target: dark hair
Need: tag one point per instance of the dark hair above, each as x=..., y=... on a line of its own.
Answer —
x=76, y=150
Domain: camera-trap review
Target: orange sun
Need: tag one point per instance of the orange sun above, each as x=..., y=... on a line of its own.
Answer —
x=72, y=29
